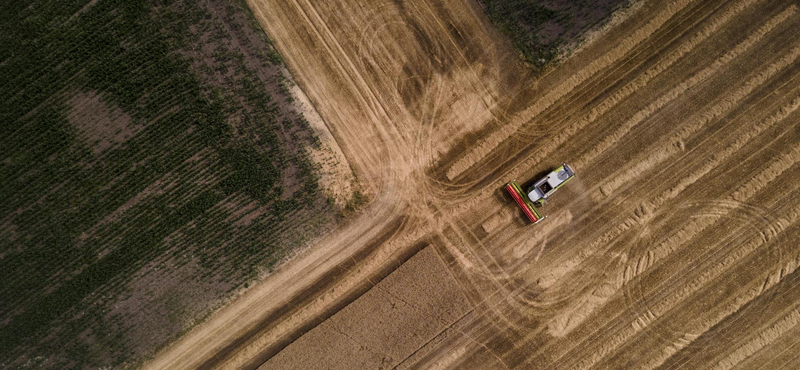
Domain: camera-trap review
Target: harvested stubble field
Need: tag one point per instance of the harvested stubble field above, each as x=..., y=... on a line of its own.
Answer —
x=676, y=247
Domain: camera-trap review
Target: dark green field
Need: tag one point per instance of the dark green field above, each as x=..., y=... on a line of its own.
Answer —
x=152, y=164
x=541, y=28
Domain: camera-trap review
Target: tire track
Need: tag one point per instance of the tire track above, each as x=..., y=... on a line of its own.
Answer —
x=666, y=247
x=674, y=144
x=499, y=136
x=765, y=338
x=644, y=320
x=670, y=350
x=693, y=81
x=759, y=235
x=719, y=157
x=644, y=213
x=743, y=351
x=365, y=93
x=657, y=311
x=771, y=281
x=775, y=228
x=365, y=156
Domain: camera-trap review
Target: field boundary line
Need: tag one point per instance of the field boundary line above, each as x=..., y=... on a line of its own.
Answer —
x=494, y=139
x=648, y=75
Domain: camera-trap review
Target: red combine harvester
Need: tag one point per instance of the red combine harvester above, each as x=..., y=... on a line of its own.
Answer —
x=539, y=192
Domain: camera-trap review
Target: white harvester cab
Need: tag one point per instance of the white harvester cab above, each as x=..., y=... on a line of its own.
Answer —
x=546, y=186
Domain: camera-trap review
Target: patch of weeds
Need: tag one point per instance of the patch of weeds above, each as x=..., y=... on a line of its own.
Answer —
x=274, y=57
x=355, y=203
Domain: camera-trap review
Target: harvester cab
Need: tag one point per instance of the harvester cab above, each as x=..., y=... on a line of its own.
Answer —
x=538, y=193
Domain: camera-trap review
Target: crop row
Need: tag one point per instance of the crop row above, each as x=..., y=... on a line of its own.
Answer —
x=84, y=225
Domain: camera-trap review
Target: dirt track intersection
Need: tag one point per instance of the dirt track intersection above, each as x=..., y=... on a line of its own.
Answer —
x=676, y=246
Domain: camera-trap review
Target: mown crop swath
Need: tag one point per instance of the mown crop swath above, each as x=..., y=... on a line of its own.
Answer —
x=78, y=227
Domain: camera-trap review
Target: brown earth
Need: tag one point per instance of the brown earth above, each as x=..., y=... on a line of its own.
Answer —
x=675, y=247
x=99, y=125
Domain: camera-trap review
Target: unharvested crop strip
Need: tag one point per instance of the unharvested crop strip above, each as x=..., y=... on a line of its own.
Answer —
x=499, y=136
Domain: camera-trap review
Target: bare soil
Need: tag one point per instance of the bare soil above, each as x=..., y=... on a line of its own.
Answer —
x=675, y=247
x=100, y=126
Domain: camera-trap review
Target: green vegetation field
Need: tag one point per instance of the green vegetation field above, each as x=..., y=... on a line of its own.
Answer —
x=542, y=28
x=152, y=163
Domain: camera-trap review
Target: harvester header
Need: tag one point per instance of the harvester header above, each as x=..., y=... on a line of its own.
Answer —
x=522, y=200
x=538, y=193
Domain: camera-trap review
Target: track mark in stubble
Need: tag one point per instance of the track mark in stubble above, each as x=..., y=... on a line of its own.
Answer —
x=653, y=313
x=476, y=75
x=499, y=136
x=702, y=215
x=563, y=268
x=765, y=338
x=666, y=247
x=644, y=213
x=696, y=79
x=773, y=228
x=356, y=80
x=671, y=349
x=674, y=144
x=539, y=240
x=720, y=156
x=605, y=287
x=771, y=281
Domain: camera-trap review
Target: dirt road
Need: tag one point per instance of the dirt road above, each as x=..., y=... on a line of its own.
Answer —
x=676, y=247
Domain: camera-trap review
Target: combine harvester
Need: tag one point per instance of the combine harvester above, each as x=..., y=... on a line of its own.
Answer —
x=539, y=191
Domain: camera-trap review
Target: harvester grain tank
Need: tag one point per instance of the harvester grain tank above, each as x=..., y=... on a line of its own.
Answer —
x=538, y=193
